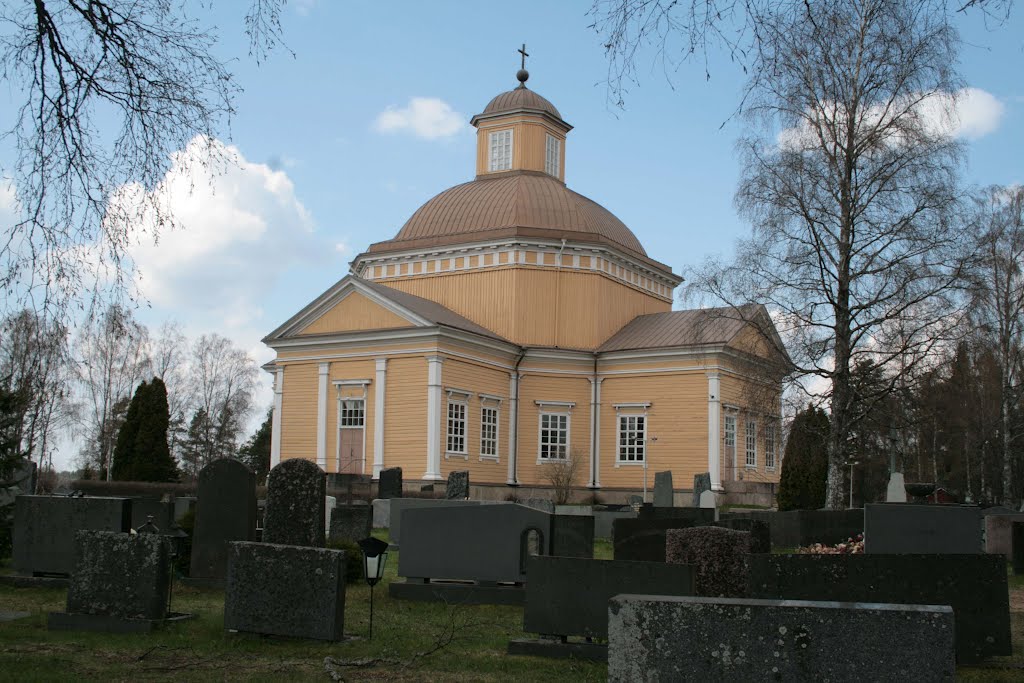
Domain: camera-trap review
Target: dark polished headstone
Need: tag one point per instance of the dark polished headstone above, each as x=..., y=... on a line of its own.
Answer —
x=1017, y=534
x=572, y=536
x=225, y=511
x=975, y=585
x=695, y=515
x=458, y=485
x=45, y=526
x=718, y=557
x=903, y=528
x=760, y=532
x=389, y=483
x=663, y=493
x=701, y=483
x=400, y=505
x=643, y=540
x=665, y=638
x=296, y=492
x=350, y=523
x=795, y=528
x=285, y=590
x=120, y=575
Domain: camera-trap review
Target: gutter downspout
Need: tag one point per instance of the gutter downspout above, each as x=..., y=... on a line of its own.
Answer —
x=513, y=448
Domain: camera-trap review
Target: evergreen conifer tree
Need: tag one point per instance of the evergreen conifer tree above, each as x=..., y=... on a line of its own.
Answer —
x=256, y=451
x=125, y=461
x=805, y=464
x=153, y=460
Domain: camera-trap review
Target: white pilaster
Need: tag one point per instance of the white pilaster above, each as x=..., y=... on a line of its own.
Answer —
x=378, y=417
x=275, y=437
x=513, y=422
x=714, y=430
x=595, y=430
x=434, y=390
x=321, y=417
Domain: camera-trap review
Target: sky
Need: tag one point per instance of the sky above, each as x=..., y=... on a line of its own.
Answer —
x=341, y=140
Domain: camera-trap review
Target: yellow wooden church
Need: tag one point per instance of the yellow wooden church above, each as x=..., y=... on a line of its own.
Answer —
x=512, y=325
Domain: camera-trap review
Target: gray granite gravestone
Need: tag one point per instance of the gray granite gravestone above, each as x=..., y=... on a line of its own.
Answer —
x=330, y=502
x=225, y=511
x=569, y=597
x=296, y=490
x=389, y=483
x=350, y=523
x=643, y=540
x=975, y=585
x=120, y=583
x=45, y=526
x=665, y=638
x=285, y=590
x=701, y=483
x=400, y=505
x=663, y=494
x=895, y=528
x=572, y=536
x=458, y=485
x=718, y=557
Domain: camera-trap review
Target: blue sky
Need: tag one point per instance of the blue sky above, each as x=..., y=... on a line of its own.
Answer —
x=321, y=178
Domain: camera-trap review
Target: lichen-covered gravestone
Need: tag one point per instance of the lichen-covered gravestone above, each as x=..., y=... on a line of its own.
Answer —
x=719, y=557
x=389, y=484
x=350, y=523
x=458, y=485
x=296, y=490
x=663, y=497
x=120, y=583
x=701, y=483
x=225, y=511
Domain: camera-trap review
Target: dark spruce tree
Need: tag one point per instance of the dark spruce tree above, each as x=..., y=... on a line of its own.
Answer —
x=256, y=451
x=805, y=463
x=123, y=467
x=153, y=459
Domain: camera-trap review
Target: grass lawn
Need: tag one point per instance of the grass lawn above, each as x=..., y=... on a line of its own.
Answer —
x=412, y=641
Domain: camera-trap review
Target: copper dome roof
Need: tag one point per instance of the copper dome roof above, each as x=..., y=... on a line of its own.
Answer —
x=519, y=98
x=516, y=204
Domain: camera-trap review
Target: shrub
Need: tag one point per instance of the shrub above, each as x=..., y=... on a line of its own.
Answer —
x=805, y=462
x=353, y=559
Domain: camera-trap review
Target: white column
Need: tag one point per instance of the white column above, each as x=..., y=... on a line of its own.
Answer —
x=513, y=423
x=378, y=417
x=714, y=431
x=595, y=417
x=321, y=417
x=433, y=418
x=275, y=438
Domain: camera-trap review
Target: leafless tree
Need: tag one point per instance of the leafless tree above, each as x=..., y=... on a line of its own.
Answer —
x=169, y=357
x=850, y=184
x=997, y=310
x=109, y=89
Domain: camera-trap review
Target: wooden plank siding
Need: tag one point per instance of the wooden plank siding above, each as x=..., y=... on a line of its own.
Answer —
x=298, y=411
x=405, y=416
x=475, y=378
x=541, y=387
x=529, y=139
x=749, y=397
x=355, y=312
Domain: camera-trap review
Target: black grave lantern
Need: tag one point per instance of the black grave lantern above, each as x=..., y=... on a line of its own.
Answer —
x=375, y=556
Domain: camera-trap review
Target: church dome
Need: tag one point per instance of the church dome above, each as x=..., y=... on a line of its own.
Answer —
x=519, y=98
x=515, y=204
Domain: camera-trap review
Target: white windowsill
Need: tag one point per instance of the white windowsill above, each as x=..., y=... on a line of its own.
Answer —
x=490, y=458
x=464, y=456
x=629, y=463
x=546, y=461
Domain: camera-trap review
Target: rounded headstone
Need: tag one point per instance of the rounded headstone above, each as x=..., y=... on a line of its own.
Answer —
x=296, y=493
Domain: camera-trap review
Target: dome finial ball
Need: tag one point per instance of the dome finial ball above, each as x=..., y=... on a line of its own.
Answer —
x=522, y=75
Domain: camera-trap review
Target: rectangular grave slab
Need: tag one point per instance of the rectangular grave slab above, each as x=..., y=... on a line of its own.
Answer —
x=569, y=596
x=572, y=536
x=485, y=543
x=603, y=520
x=400, y=505
x=350, y=522
x=974, y=585
x=285, y=590
x=458, y=485
x=796, y=528
x=894, y=528
x=120, y=575
x=696, y=515
x=643, y=540
x=225, y=512
x=664, y=638
x=162, y=512
x=45, y=526
x=664, y=497
x=998, y=533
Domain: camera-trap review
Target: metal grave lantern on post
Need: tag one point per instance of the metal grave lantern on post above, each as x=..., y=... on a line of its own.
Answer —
x=375, y=556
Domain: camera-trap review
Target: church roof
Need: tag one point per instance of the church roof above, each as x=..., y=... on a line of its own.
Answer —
x=513, y=204
x=696, y=327
x=519, y=98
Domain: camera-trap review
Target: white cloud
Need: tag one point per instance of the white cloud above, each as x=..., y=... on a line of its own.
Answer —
x=425, y=117
x=979, y=113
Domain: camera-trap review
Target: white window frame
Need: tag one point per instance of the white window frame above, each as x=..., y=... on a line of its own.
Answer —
x=490, y=403
x=340, y=386
x=456, y=399
x=499, y=140
x=639, y=450
x=750, y=443
x=552, y=155
x=626, y=411
x=559, y=409
x=770, y=446
x=727, y=422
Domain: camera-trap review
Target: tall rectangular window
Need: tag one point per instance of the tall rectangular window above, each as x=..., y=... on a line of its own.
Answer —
x=730, y=440
x=554, y=436
x=632, y=438
x=488, y=432
x=751, y=441
x=353, y=413
x=456, y=442
x=552, y=155
x=500, y=146
x=769, y=446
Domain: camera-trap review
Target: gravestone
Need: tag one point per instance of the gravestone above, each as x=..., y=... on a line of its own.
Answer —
x=350, y=523
x=604, y=518
x=663, y=494
x=330, y=502
x=643, y=540
x=161, y=511
x=572, y=536
x=701, y=483
x=120, y=583
x=760, y=533
x=666, y=638
x=718, y=557
x=284, y=590
x=895, y=528
x=998, y=533
x=709, y=501
x=458, y=485
x=695, y=515
x=1017, y=540
x=975, y=585
x=225, y=511
x=635, y=500
x=796, y=528
x=296, y=491
x=389, y=483
x=542, y=504
x=569, y=597
x=44, y=529
x=400, y=505
x=896, y=492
